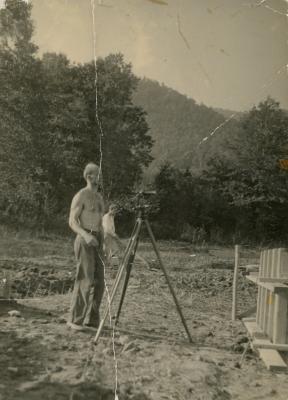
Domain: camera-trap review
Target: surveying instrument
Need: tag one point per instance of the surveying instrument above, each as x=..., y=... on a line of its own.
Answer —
x=127, y=263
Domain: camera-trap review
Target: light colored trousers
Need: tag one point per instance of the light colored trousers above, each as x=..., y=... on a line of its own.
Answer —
x=89, y=282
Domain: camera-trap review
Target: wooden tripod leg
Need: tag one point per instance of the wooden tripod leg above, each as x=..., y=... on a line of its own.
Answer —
x=118, y=278
x=127, y=250
x=128, y=272
x=167, y=279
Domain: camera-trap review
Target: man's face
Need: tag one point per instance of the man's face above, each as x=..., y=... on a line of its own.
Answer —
x=93, y=178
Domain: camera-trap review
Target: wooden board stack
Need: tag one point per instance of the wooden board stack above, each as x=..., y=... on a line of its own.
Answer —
x=270, y=328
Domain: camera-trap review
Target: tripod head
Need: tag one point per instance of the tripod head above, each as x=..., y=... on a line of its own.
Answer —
x=142, y=202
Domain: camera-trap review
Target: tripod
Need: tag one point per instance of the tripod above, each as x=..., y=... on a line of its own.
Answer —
x=127, y=264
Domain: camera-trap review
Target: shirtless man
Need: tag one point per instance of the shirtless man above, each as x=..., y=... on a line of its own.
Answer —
x=85, y=220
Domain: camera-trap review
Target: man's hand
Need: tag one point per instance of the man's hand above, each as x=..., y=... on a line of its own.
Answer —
x=91, y=240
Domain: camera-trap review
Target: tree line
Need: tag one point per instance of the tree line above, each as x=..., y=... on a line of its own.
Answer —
x=241, y=195
x=230, y=188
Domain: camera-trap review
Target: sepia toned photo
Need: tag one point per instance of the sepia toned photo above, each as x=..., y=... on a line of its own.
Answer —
x=143, y=200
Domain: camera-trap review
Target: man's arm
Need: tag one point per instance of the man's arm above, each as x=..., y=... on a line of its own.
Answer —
x=75, y=212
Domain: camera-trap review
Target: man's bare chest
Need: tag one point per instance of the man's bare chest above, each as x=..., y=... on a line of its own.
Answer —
x=92, y=203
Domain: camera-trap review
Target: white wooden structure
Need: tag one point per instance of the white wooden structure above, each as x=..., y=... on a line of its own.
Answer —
x=270, y=328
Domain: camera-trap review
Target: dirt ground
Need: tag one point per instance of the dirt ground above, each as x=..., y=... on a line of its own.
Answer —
x=42, y=359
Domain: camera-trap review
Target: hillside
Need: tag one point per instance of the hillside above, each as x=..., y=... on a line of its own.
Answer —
x=178, y=124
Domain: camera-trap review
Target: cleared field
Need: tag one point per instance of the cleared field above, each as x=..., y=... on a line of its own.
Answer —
x=42, y=359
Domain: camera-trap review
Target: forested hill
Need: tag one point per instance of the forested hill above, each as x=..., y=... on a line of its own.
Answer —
x=177, y=124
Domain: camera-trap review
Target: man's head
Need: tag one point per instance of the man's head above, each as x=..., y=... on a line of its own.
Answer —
x=91, y=173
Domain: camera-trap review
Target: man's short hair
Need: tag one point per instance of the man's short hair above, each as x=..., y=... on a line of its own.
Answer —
x=91, y=167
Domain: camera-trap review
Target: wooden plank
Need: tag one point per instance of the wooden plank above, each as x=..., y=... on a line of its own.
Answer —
x=263, y=291
x=270, y=313
x=259, y=305
x=280, y=319
x=259, y=296
x=271, y=299
x=275, y=287
x=272, y=286
x=252, y=328
x=267, y=344
x=265, y=270
x=273, y=361
x=283, y=264
x=278, y=265
x=281, y=305
x=283, y=273
x=268, y=296
x=273, y=280
x=261, y=263
x=271, y=357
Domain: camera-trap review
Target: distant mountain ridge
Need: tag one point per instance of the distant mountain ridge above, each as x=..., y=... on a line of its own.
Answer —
x=178, y=124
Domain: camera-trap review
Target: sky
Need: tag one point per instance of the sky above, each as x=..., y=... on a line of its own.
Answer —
x=224, y=53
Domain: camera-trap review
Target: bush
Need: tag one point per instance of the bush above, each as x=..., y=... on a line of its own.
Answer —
x=193, y=235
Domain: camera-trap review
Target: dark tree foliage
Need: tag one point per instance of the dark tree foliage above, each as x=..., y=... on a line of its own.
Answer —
x=253, y=181
x=23, y=144
x=48, y=125
x=126, y=144
x=189, y=208
x=242, y=195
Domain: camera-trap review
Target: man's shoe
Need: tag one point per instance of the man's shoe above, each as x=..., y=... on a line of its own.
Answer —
x=75, y=327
